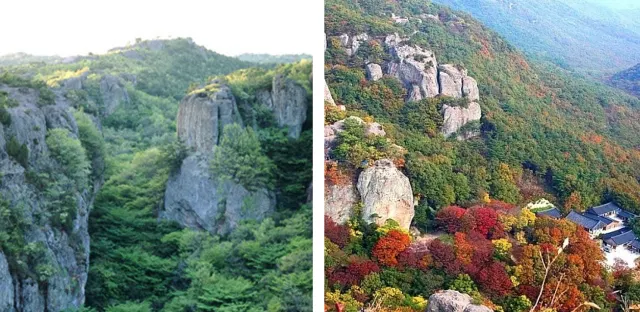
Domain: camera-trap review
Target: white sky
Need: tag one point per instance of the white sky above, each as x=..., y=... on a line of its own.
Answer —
x=77, y=27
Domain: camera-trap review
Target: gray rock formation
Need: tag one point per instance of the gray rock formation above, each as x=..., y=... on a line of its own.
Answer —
x=196, y=199
x=470, y=88
x=453, y=301
x=331, y=131
x=64, y=248
x=352, y=44
x=450, y=80
x=339, y=201
x=193, y=197
x=113, y=93
x=386, y=193
x=456, y=117
x=202, y=115
x=416, y=68
x=328, y=98
x=374, y=72
x=289, y=104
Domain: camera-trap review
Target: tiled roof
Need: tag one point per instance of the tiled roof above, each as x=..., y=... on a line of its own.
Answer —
x=606, y=208
x=621, y=239
x=603, y=219
x=553, y=213
x=625, y=214
x=584, y=221
x=615, y=233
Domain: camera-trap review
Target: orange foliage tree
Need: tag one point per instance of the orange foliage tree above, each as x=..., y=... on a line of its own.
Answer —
x=389, y=246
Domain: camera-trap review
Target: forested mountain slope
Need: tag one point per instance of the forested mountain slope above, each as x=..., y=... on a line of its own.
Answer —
x=140, y=260
x=413, y=207
x=628, y=80
x=565, y=32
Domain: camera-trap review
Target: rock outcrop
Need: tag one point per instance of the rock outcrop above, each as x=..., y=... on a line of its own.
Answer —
x=415, y=67
x=339, y=200
x=113, y=93
x=374, y=71
x=328, y=98
x=453, y=301
x=352, y=44
x=289, y=103
x=386, y=194
x=56, y=280
x=202, y=115
x=457, y=117
x=194, y=197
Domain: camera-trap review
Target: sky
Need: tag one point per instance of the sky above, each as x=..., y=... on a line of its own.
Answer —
x=77, y=27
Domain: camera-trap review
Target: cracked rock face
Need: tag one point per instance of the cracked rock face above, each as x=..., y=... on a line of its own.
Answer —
x=386, y=193
x=456, y=117
x=194, y=197
x=202, y=116
x=289, y=104
x=453, y=301
x=66, y=250
x=416, y=68
x=339, y=201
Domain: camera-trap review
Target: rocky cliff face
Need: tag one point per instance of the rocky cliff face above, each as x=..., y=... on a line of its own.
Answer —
x=202, y=115
x=423, y=77
x=47, y=271
x=193, y=197
x=383, y=189
x=288, y=102
x=453, y=301
x=386, y=193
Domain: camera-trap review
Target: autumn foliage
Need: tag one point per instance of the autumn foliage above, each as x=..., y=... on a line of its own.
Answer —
x=389, y=246
x=336, y=233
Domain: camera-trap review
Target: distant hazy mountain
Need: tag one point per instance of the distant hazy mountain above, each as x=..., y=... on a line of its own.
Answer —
x=24, y=58
x=272, y=59
x=588, y=36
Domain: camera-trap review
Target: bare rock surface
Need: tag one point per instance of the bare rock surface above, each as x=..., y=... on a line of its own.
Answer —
x=202, y=116
x=453, y=301
x=374, y=72
x=456, y=117
x=386, y=193
x=66, y=251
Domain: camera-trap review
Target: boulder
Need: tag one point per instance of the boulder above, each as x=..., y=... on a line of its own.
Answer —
x=197, y=200
x=202, y=115
x=353, y=44
x=339, y=200
x=374, y=72
x=386, y=193
x=416, y=68
x=453, y=301
x=456, y=117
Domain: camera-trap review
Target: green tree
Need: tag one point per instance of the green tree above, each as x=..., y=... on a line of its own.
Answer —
x=70, y=154
x=226, y=294
x=240, y=158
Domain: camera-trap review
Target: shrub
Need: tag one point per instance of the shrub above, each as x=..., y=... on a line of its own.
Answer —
x=70, y=154
x=240, y=158
x=92, y=141
x=19, y=152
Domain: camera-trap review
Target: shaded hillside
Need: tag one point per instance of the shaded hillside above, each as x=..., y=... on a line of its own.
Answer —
x=628, y=80
x=565, y=34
